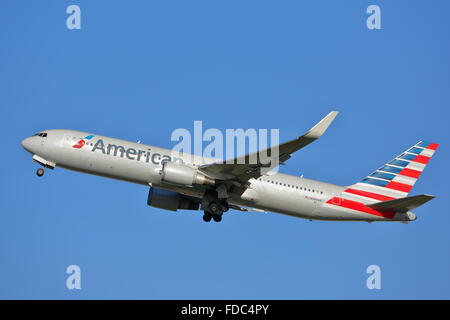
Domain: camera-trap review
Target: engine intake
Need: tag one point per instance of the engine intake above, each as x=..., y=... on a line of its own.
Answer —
x=183, y=175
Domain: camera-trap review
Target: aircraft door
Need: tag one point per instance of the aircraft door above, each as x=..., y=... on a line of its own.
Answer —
x=336, y=199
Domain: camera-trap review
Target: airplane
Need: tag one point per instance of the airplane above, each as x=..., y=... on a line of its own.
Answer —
x=190, y=182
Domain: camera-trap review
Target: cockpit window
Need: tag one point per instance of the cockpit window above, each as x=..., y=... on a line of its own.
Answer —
x=41, y=134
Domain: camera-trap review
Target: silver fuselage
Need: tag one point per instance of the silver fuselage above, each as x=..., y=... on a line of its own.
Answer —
x=141, y=164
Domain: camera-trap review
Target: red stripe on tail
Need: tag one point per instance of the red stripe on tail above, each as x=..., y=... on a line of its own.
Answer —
x=369, y=194
x=421, y=159
x=358, y=206
x=410, y=173
x=399, y=186
x=433, y=146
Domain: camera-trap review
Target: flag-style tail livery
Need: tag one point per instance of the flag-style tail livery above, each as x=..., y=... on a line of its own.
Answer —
x=384, y=192
x=396, y=178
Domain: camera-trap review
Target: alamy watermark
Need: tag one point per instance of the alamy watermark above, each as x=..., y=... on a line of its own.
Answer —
x=373, y=22
x=73, y=21
x=234, y=146
x=374, y=280
x=73, y=281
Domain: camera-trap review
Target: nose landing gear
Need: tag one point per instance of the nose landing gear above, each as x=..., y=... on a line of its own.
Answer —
x=43, y=162
x=40, y=172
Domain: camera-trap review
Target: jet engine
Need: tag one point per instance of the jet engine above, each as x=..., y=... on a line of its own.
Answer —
x=181, y=174
x=169, y=200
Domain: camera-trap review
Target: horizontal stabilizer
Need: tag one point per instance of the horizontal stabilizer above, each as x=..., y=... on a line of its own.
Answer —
x=402, y=204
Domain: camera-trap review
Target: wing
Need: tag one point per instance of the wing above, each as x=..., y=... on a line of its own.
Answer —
x=255, y=164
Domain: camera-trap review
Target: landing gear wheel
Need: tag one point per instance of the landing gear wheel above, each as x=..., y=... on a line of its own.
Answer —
x=214, y=207
x=40, y=172
x=217, y=218
x=207, y=217
x=224, y=206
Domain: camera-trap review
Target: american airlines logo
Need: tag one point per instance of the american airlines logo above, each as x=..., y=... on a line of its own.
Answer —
x=132, y=153
x=80, y=144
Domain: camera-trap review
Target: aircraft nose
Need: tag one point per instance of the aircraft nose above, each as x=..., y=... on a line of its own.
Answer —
x=26, y=144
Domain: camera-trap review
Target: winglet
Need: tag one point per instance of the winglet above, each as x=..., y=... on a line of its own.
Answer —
x=322, y=126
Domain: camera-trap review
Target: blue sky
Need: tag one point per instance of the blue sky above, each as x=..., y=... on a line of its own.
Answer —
x=138, y=70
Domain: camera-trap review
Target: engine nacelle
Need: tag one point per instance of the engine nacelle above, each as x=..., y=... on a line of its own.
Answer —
x=169, y=200
x=181, y=174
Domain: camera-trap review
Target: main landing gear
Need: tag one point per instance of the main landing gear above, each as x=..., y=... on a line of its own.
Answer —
x=215, y=210
x=207, y=216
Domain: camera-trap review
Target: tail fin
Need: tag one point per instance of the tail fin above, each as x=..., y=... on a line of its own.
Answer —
x=396, y=178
